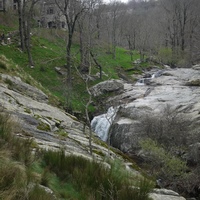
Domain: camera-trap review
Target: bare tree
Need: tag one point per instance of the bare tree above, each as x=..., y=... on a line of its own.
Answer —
x=89, y=37
x=72, y=10
x=25, y=14
x=20, y=18
x=181, y=19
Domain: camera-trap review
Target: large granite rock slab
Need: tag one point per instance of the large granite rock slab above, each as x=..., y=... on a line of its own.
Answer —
x=173, y=88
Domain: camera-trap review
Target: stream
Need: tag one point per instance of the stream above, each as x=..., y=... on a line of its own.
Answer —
x=101, y=123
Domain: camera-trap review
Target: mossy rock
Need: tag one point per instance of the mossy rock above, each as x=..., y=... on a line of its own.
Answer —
x=27, y=110
x=62, y=133
x=193, y=82
x=43, y=126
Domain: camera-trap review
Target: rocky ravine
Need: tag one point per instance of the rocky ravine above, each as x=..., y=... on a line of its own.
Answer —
x=51, y=127
x=177, y=88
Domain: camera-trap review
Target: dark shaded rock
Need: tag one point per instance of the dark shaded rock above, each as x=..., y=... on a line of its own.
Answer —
x=106, y=87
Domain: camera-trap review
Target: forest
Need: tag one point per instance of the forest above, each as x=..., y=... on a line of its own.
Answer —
x=163, y=30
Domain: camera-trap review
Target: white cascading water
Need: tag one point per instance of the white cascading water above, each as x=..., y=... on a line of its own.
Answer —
x=143, y=81
x=101, y=123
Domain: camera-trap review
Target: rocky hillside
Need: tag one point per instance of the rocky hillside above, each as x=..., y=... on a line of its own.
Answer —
x=53, y=128
x=164, y=106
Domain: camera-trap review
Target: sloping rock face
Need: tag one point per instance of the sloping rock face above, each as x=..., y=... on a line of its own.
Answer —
x=25, y=89
x=49, y=126
x=175, y=88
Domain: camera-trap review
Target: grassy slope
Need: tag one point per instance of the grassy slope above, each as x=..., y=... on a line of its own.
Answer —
x=49, y=50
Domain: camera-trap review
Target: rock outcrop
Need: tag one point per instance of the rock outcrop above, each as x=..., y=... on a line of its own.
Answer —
x=49, y=126
x=176, y=88
x=106, y=87
x=171, y=92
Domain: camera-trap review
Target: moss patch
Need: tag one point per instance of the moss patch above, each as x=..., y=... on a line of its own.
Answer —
x=27, y=110
x=43, y=126
x=62, y=133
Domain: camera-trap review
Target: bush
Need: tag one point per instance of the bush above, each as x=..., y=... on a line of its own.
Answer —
x=5, y=125
x=162, y=162
x=40, y=193
x=165, y=55
x=3, y=66
x=94, y=179
x=13, y=179
x=168, y=128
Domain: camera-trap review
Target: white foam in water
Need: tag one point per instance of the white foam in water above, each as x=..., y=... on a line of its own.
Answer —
x=101, y=124
x=143, y=81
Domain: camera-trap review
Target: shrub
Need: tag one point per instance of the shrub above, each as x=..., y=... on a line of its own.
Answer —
x=94, y=179
x=40, y=193
x=13, y=179
x=3, y=66
x=163, y=162
x=167, y=128
x=165, y=55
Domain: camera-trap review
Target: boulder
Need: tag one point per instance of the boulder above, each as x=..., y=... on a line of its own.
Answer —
x=193, y=82
x=164, y=194
x=60, y=71
x=106, y=87
x=49, y=126
x=196, y=67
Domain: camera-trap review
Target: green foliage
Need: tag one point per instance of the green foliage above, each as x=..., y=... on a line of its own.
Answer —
x=62, y=132
x=5, y=128
x=49, y=51
x=165, y=55
x=17, y=178
x=43, y=126
x=3, y=66
x=94, y=179
x=13, y=179
x=39, y=193
x=166, y=164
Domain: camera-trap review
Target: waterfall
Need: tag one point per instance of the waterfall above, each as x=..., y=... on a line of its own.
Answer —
x=144, y=81
x=101, y=123
x=140, y=81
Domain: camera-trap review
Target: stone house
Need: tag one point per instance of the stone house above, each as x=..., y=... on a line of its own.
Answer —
x=51, y=16
x=6, y=5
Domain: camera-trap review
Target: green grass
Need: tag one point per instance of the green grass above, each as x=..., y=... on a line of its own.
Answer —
x=93, y=179
x=68, y=176
x=49, y=51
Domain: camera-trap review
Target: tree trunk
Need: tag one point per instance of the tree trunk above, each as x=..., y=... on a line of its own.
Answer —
x=4, y=5
x=28, y=34
x=21, y=30
x=68, y=65
x=98, y=65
